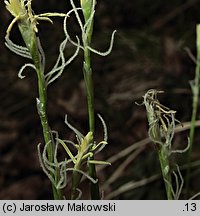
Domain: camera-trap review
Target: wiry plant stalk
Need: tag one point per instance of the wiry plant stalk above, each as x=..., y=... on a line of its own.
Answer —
x=33, y=44
x=27, y=24
x=161, y=131
x=195, y=91
x=86, y=27
x=88, y=9
x=164, y=164
x=42, y=110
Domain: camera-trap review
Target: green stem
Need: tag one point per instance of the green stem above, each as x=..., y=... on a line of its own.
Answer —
x=87, y=71
x=164, y=164
x=195, y=91
x=163, y=154
x=35, y=49
x=42, y=107
x=76, y=178
x=88, y=8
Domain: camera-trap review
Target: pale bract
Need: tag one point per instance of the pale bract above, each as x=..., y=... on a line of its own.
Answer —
x=15, y=7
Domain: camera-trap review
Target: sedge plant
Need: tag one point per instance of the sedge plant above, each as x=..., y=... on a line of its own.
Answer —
x=162, y=121
x=27, y=24
x=86, y=27
x=82, y=162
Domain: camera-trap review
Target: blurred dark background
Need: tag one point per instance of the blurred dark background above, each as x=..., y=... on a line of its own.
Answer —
x=149, y=52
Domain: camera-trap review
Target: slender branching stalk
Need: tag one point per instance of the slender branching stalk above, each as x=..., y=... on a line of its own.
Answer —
x=195, y=91
x=86, y=26
x=155, y=133
x=27, y=23
x=88, y=9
